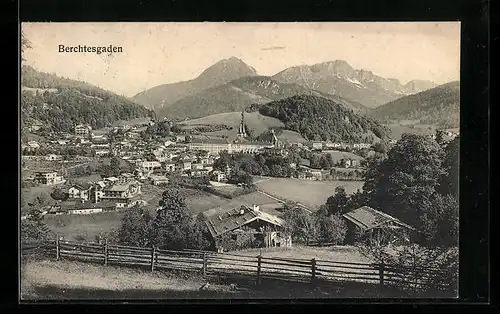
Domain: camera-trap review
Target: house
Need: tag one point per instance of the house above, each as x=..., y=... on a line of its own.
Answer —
x=53, y=157
x=218, y=176
x=317, y=145
x=170, y=167
x=84, y=207
x=82, y=130
x=244, y=227
x=80, y=191
x=111, y=180
x=150, y=165
x=180, y=138
x=102, y=152
x=35, y=126
x=125, y=178
x=366, y=224
x=121, y=194
x=196, y=166
x=97, y=191
x=48, y=178
x=186, y=165
x=361, y=145
x=158, y=180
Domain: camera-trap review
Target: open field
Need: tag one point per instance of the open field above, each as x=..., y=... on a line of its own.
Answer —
x=309, y=193
x=338, y=155
x=347, y=254
x=88, y=226
x=291, y=136
x=255, y=121
x=66, y=280
x=398, y=129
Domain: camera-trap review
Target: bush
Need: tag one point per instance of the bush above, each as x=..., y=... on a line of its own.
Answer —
x=330, y=229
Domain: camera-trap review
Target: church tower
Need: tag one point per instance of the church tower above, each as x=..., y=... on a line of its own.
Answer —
x=241, y=131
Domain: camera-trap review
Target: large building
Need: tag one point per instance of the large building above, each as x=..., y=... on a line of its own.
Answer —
x=48, y=178
x=82, y=130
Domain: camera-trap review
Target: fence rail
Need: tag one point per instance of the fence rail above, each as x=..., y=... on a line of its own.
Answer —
x=211, y=263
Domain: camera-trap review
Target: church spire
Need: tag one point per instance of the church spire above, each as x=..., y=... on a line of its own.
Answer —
x=242, y=132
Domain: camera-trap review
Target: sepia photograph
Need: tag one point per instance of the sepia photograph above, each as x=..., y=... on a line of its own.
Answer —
x=239, y=160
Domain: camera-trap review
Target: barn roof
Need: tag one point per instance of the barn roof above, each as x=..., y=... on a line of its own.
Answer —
x=368, y=218
x=219, y=224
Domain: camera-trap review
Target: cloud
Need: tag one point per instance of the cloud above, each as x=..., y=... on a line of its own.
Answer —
x=273, y=48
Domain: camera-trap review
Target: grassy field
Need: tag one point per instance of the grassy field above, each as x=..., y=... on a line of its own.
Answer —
x=309, y=193
x=66, y=280
x=255, y=121
x=86, y=226
x=338, y=155
x=397, y=129
x=332, y=253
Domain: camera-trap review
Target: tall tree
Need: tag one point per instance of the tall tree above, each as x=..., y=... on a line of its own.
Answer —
x=450, y=180
x=401, y=184
x=338, y=202
x=25, y=44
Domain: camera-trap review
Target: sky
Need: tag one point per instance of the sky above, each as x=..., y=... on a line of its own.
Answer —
x=160, y=53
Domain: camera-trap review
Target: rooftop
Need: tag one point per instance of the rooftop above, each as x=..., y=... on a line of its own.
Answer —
x=368, y=218
x=221, y=223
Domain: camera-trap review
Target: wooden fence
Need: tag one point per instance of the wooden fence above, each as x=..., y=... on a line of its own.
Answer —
x=219, y=264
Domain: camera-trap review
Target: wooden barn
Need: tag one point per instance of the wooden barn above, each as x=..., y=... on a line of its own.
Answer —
x=366, y=224
x=246, y=227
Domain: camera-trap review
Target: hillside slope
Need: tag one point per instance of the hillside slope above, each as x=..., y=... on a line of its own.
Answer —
x=438, y=106
x=238, y=95
x=220, y=73
x=60, y=103
x=339, y=78
x=318, y=118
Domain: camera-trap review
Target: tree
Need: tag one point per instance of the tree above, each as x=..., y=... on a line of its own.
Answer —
x=440, y=221
x=331, y=229
x=402, y=184
x=59, y=194
x=33, y=228
x=135, y=228
x=299, y=224
x=338, y=202
x=450, y=180
x=173, y=227
x=25, y=44
x=380, y=147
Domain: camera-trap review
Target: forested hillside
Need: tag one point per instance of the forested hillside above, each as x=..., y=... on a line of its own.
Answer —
x=60, y=103
x=438, y=106
x=318, y=118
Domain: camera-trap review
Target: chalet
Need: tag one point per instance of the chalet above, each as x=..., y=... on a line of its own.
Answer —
x=317, y=145
x=81, y=207
x=349, y=162
x=218, y=176
x=82, y=130
x=170, y=167
x=121, y=194
x=53, y=157
x=158, y=180
x=48, y=178
x=246, y=227
x=366, y=224
x=80, y=191
x=186, y=165
x=125, y=178
x=150, y=165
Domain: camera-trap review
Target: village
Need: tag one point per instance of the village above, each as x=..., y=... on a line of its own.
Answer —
x=152, y=162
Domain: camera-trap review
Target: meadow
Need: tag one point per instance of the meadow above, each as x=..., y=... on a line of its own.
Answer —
x=309, y=193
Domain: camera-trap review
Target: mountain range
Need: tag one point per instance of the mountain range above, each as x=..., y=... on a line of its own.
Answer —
x=437, y=106
x=362, y=86
x=238, y=94
x=337, y=80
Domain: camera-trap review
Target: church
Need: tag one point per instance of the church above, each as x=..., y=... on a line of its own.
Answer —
x=242, y=143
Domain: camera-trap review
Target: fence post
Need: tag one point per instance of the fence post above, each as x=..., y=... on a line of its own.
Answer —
x=153, y=253
x=259, y=262
x=57, y=248
x=381, y=272
x=106, y=251
x=313, y=270
x=204, y=264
